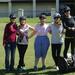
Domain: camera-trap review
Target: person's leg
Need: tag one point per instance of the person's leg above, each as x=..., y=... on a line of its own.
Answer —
x=45, y=45
x=7, y=53
x=73, y=46
x=43, y=63
x=54, y=53
x=37, y=48
x=58, y=49
x=12, y=61
x=20, y=55
x=58, y=52
x=24, y=48
x=36, y=61
x=66, y=47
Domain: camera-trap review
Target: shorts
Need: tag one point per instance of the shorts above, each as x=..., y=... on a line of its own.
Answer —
x=41, y=46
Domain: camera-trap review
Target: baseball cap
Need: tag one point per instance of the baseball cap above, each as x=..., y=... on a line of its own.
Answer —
x=22, y=18
x=57, y=15
x=12, y=16
x=66, y=9
x=42, y=16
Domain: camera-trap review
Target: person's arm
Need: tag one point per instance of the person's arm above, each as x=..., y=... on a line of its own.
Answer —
x=13, y=27
x=49, y=29
x=33, y=32
x=32, y=28
x=5, y=36
x=64, y=25
x=67, y=27
x=73, y=28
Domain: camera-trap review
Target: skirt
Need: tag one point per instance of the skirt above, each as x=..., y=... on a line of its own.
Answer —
x=41, y=46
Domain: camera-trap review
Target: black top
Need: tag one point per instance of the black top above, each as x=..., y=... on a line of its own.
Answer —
x=69, y=23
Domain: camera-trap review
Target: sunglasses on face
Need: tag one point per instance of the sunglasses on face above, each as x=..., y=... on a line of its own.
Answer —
x=57, y=17
x=67, y=11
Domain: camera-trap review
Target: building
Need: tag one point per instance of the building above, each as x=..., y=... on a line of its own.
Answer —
x=29, y=7
x=42, y=6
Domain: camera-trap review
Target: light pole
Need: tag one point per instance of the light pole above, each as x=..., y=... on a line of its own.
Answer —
x=9, y=6
x=34, y=8
x=57, y=5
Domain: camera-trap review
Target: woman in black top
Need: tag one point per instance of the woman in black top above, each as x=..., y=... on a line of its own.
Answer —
x=69, y=26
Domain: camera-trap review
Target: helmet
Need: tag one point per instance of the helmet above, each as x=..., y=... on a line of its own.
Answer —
x=66, y=8
x=12, y=16
x=22, y=18
x=57, y=15
x=42, y=16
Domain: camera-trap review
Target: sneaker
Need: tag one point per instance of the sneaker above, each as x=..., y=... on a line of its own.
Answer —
x=7, y=69
x=23, y=68
x=57, y=68
x=35, y=68
x=43, y=67
x=19, y=69
x=12, y=69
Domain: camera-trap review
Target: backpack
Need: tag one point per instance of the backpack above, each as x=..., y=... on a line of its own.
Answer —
x=62, y=64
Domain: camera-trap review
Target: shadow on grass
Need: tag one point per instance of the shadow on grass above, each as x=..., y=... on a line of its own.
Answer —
x=31, y=71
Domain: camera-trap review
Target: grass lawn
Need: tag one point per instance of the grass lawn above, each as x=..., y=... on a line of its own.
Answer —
x=29, y=57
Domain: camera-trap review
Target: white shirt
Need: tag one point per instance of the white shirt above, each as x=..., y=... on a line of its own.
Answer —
x=57, y=35
x=23, y=40
x=42, y=30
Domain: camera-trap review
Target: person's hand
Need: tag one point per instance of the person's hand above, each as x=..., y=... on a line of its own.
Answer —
x=21, y=33
x=4, y=44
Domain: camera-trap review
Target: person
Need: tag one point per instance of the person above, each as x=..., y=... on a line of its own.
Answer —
x=41, y=43
x=56, y=29
x=22, y=41
x=69, y=26
x=9, y=42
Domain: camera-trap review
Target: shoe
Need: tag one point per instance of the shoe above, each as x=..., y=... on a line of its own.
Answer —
x=19, y=69
x=35, y=68
x=7, y=69
x=57, y=68
x=12, y=69
x=43, y=67
x=23, y=68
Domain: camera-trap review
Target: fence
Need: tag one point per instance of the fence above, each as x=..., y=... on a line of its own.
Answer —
x=27, y=13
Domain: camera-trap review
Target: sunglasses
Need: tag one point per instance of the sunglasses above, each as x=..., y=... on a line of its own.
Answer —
x=57, y=17
x=67, y=10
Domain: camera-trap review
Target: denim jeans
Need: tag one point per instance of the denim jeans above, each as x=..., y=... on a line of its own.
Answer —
x=10, y=54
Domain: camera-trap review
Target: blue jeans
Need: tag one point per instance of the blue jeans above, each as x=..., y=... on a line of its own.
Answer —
x=10, y=54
